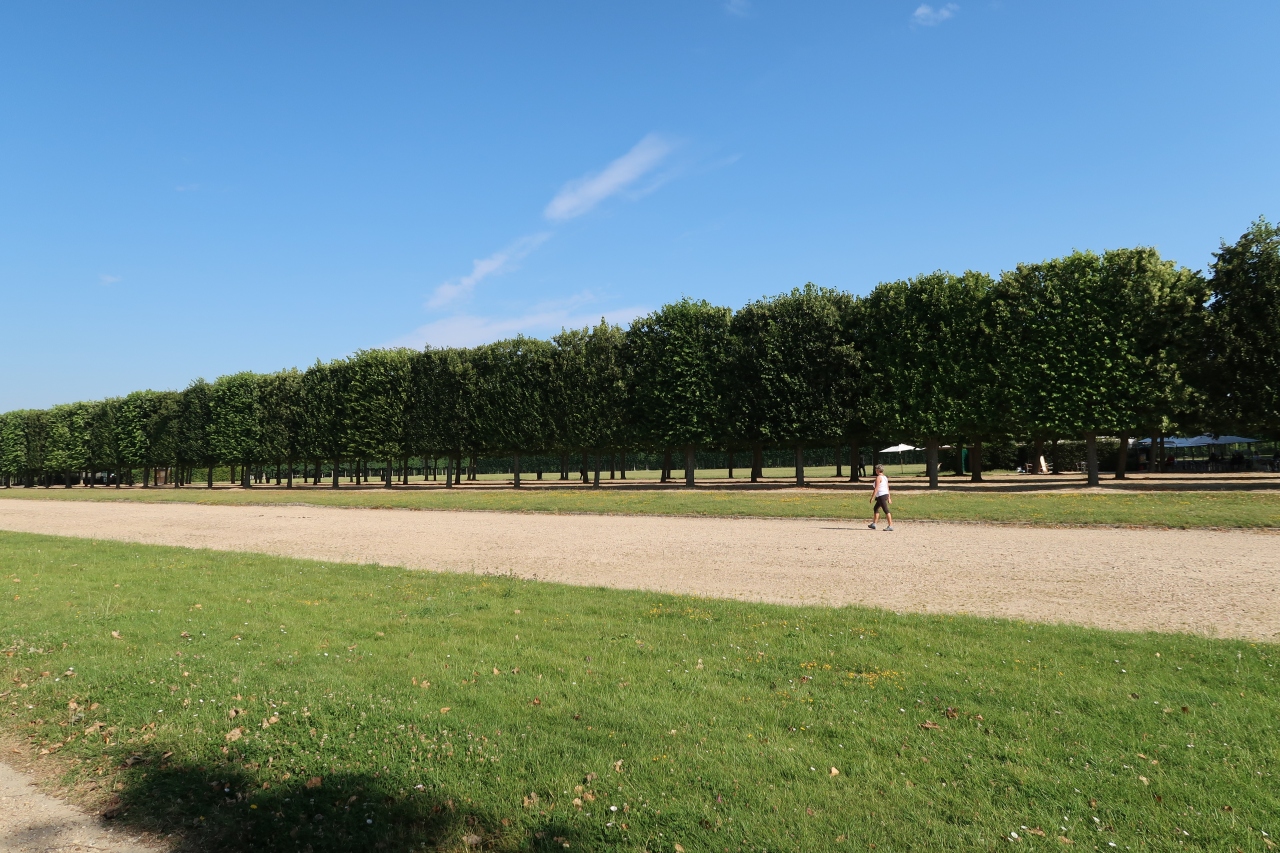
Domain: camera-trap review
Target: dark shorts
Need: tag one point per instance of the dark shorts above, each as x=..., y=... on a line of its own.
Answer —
x=882, y=504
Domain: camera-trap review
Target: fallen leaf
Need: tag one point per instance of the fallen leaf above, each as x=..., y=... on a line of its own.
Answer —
x=679, y=848
x=810, y=812
x=116, y=635
x=185, y=635
x=834, y=772
x=1093, y=804
x=445, y=710
x=113, y=807
x=314, y=782
x=1065, y=840
x=537, y=701
x=235, y=734
x=1037, y=831
x=496, y=672
x=471, y=840
x=617, y=766
x=93, y=728
x=1226, y=808
x=952, y=713
x=929, y=724
x=1144, y=780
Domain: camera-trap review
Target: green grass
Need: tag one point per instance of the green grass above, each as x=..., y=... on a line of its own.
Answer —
x=1165, y=508
x=949, y=733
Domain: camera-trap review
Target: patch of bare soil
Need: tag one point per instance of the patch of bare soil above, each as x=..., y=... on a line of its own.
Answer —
x=1217, y=583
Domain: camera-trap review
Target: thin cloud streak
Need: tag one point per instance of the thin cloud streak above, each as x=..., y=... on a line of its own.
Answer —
x=927, y=16
x=499, y=262
x=582, y=195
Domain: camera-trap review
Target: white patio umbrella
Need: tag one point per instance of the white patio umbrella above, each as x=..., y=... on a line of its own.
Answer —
x=898, y=448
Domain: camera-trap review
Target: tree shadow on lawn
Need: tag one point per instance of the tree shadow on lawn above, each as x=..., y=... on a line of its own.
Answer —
x=222, y=809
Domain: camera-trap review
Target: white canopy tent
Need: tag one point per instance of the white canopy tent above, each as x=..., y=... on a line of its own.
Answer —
x=1199, y=441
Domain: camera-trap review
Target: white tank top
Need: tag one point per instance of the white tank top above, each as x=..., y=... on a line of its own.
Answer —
x=882, y=485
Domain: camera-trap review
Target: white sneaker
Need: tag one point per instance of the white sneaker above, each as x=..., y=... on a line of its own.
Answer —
x=888, y=529
x=871, y=526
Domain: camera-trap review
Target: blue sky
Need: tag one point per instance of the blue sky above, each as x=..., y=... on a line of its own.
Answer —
x=194, y=189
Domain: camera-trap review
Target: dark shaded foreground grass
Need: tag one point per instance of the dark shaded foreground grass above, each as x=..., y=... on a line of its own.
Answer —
x=1237, y=508
x=250, y=702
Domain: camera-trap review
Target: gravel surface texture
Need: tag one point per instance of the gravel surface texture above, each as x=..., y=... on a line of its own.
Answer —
x=34, y=822
x=1217, y=583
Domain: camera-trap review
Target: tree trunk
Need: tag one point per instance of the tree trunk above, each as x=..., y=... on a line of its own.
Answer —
x=585, y=471
x=622, y=465
x=448, y=472
x=731, y=464
x=1038, y=451
x=289, y=484
x=931, y=460
x=855, y=462
x=839, y=470
x=596, y=482
x=246, y=477
x=757, y=462
x=335, y=475
x=564, y=466
x=1122, y=461
x=975, y=462
x=146, y=477
x=799, y=464
x=515, y=466
x=1091, y=457
x=666, y=466
x=688, y=466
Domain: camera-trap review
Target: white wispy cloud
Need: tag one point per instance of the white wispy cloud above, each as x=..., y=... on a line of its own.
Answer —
x=499, y=262
x=105, y=279
x=927, y=16
x=580, y=196
x=468, y=330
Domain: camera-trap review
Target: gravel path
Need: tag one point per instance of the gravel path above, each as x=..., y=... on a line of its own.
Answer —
x=1217, y=583
x=34, y=822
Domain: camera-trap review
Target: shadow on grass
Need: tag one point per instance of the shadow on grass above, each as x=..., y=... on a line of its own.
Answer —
x=222, y=809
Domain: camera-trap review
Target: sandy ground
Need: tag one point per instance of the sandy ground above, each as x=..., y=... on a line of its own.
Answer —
x=34, y=822
x=1217, y=583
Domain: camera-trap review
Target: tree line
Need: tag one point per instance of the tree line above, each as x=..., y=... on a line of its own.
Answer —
x=1122, y=344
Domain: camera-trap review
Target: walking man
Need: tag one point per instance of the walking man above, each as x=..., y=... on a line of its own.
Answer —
x=880, y=500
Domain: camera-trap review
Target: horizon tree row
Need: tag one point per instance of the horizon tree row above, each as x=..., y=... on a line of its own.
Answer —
x=1122, y=344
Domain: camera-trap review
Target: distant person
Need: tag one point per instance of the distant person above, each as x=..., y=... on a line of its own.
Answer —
x=880, y=499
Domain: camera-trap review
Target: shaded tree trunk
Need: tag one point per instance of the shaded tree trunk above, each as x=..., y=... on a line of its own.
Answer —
x=1038, y=450
x=688, y=466
x=586, y=469
x=666, y=466
x=839, y=470
x=730, y=463
x=799, y=464
x=335, y=475
x=515, y=470
x=448, y=472
x=855, y=462
x=975, y=462
x=1091, y=457
x=757, y=462
x=622, y=465
x=564, y=466
x=1122, y=461
x=959, y=445
x=931, y=460
x=289, y=485
x=596, y=481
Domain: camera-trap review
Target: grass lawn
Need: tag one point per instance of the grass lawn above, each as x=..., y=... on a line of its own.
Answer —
x=1169, y=508
x=252, y=702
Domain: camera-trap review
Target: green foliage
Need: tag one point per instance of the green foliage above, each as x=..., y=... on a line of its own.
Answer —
x=1071, y=347
x=1244, y=367
x=795, y=368
x=677, y=360
x=929, y=366
x=235, y=429
x=510, y=384
x=1121, y=343
x=588, y=388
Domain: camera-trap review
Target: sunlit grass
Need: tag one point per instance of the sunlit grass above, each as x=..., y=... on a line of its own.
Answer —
x=378, y=706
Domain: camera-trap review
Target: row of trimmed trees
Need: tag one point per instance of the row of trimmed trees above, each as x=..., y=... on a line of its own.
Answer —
x=1120, y=344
